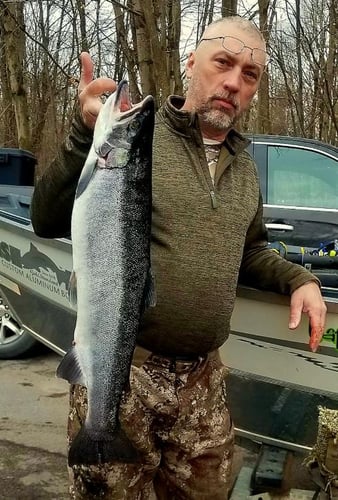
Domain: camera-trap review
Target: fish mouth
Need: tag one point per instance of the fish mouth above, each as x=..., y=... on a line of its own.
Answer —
x=123, y=106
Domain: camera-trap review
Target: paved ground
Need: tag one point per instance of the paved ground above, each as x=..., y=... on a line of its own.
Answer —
x=33, y=413
x=30, y=473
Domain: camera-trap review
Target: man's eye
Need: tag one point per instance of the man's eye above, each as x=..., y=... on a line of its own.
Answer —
x=251, y=75
x=223, y=62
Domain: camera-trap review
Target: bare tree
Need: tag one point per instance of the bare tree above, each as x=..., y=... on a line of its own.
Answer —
x=156, y=29
x=9, y=136
x=331, y=82
x=12, y=17
x=266, y=16
x=147, y=41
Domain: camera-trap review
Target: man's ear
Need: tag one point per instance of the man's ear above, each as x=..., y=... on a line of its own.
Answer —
x=190, y=64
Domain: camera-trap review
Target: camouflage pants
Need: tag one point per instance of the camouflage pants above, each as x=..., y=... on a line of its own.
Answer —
x=176, y=414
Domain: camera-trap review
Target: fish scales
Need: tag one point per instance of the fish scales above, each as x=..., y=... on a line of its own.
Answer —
x=111, y=228
x=113, y=285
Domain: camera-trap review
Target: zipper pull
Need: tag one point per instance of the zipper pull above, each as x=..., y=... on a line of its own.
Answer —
x=214, y=201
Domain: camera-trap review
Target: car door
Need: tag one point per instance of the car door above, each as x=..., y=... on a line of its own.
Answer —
x=300, y=191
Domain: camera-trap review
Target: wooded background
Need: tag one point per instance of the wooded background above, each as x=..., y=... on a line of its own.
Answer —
x=147, y=42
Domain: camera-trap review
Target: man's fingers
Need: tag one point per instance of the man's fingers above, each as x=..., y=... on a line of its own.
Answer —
x=90, y=91
x=99, y=86
x=89, y=98
x=296, y=308
x=92, y=87
x=317, y=327
x=87, y=68
x=316, y=337
x=308, y=299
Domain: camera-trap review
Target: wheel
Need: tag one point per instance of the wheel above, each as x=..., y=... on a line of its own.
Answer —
x=15, y=342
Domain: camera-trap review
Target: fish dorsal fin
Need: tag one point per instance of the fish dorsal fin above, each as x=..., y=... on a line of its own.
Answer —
x=72, y=290
x=70, y=368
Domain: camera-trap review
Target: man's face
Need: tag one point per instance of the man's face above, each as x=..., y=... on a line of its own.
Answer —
x=223, y=82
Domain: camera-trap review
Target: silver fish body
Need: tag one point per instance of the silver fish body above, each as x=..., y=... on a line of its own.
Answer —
x=111, y=232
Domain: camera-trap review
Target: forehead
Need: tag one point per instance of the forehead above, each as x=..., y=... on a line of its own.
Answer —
x=247, y=36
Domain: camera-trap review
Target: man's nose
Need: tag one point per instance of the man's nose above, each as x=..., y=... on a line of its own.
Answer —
x=231, y=80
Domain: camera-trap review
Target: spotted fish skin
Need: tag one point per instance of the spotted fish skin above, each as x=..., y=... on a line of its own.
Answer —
x=111, y=232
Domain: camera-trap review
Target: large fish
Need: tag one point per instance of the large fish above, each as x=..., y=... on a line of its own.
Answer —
x=111, y=226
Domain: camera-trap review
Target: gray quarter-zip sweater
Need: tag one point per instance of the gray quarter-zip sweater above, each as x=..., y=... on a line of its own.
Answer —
x=205, y=236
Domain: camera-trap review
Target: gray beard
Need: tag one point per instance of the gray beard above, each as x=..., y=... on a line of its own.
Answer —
x=217, y=119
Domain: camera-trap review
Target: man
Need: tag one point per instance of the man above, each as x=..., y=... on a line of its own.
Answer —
x=207, y=234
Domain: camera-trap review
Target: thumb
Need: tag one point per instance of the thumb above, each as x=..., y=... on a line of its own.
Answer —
x=87, y=69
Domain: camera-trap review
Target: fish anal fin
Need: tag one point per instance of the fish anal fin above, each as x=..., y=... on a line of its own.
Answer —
x=70, y=368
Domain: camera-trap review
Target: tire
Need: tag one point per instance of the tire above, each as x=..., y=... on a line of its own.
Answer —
x=15, y=342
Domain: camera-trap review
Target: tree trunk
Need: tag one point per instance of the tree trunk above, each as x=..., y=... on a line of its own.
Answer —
x=122, y=27
x=14, y=46
x=263, y=117
x=173, y=44
x=81, y=9
x=156, y=28
x=300, y=88
x=229, y=8
x=158, y=50
x=43, y=84
x=8, y=136
x=142, y=45
x=331, y=73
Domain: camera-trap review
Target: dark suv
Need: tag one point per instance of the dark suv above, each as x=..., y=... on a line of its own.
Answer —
x=299, y=182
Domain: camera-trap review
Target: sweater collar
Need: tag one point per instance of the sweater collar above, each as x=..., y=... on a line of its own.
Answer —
x=186, y=123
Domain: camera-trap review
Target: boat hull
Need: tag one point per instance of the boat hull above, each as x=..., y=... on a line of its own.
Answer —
x=276, y=383
x=261, y=344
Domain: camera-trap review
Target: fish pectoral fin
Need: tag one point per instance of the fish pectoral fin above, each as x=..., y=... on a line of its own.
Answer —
x=87, y=172
x=72, y=290
x=105, y=448
x=149, y=296
x=70, y=368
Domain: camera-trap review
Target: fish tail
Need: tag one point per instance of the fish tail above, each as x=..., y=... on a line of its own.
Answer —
x=105, y=448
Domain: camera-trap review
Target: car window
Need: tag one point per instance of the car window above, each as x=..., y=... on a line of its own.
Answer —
x=300, y=177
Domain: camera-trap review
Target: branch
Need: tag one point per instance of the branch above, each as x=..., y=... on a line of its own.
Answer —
x=72, y=80
x=128, y=9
